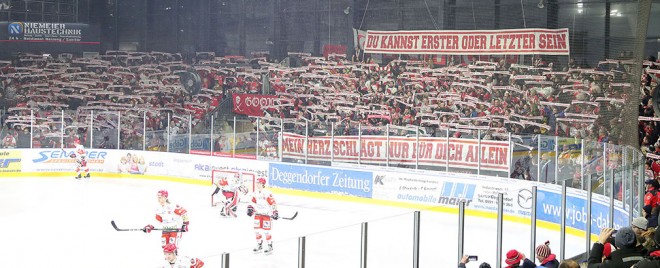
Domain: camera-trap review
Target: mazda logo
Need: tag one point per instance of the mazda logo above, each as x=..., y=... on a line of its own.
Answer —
x=525, y=198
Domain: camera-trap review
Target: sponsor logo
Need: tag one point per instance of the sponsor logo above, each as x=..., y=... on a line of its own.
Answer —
x=5, y=6
x=525, y=198
x=156, y=164
x=4, y=153
x=379, y=180
x=61, y=156
x=255, y=101
x=454, y=193
x=15, y=28
x=5, y=162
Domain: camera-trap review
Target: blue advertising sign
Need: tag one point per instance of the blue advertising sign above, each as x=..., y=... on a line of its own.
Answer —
x=179, y=143
x=320, y=179
x=549, y=209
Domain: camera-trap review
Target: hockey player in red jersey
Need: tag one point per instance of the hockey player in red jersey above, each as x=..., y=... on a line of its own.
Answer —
x=172, y=217
x=81, y=160
x=264, y=208
x=174, y=261
x=230, y=187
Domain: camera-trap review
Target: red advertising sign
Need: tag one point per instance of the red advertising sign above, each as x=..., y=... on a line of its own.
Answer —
x=461, y=153
x=479, y=42
x=251, y=104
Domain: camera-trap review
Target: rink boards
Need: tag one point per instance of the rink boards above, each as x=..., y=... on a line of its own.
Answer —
x=428, y=190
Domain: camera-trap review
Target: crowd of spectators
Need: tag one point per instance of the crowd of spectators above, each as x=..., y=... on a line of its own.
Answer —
x=495, y=96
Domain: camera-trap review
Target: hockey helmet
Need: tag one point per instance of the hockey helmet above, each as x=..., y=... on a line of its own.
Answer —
x=261, y=180
x=170, y=248
x=162, y=193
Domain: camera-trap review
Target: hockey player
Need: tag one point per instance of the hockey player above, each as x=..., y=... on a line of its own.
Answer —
x=172, y=217
x=174, y=261
x=81, y=161
x=264, y=208
x=230, y=188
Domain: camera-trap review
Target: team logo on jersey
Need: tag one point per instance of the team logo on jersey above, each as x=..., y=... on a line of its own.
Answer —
x=453, y=193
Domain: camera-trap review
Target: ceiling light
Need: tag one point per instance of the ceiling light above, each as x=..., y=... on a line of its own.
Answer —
x=580, y=5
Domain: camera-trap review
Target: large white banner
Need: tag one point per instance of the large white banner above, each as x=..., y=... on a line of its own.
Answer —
x=476, y=42
x=461, y=153
x=138, y=163
x=449, y=190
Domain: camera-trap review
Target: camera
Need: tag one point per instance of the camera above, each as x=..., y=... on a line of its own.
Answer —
x=473, y=258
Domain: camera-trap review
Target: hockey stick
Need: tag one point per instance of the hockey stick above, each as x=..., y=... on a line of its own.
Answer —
x=292, y=217
x=142, y=229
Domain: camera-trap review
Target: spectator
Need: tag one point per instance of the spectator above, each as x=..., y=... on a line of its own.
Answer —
x=626, y=254
x=651, y=202
x=654, y=256
x=465, y=260
x=106, y=144
x=514, y=259
x=545, y=256
x=569, y=264
x=639, y=226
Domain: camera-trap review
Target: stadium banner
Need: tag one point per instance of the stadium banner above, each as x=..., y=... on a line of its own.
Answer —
x=321, y=179
x=470, y=42
x=10, y=160
x=47, y=36
x=359, y=38
x=45, y=31
x=448, y=191
x=549, y=209
x=253, y=104
x=197, y=167
x=461, y=153
x=135, y=163
x=60, y=160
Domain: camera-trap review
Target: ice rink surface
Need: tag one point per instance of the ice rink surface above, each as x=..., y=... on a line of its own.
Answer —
x=63, y=222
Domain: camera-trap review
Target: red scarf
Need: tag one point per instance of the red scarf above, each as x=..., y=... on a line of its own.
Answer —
x=548, y=259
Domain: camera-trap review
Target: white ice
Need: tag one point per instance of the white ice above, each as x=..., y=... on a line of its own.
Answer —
x=63, y=222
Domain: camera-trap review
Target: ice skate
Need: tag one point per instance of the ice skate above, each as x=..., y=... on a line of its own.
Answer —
x=258, y=248
x=87, y=176
x=269, y=249
x=78, y=177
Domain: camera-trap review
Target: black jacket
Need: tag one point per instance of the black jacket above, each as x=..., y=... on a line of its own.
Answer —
x=648, y=263
x=623, y=257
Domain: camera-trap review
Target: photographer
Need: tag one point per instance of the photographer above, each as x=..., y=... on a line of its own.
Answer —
x=626, y=255
x=466, y=259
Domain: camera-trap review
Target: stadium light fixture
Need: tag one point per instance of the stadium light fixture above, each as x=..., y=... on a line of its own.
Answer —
x=541, y=5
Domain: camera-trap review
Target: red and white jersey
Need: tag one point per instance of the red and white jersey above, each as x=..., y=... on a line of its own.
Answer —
x=80, y=151
x=184, y=262
x=231, y=183
x=263, y=202
x=171, y=216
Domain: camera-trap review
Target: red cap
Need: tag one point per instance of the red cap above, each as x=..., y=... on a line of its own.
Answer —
x=261, y=180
